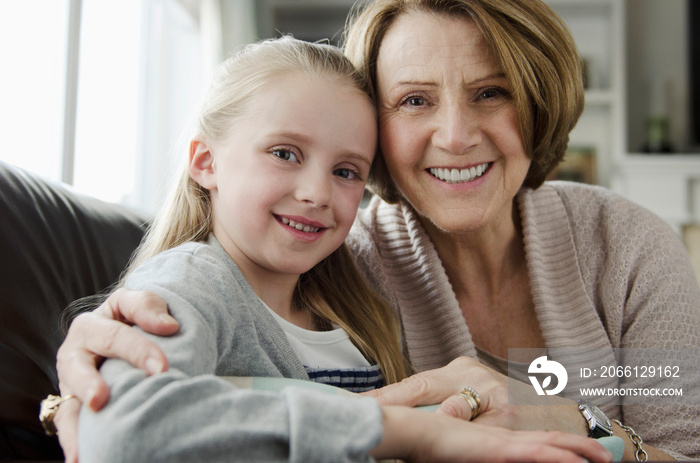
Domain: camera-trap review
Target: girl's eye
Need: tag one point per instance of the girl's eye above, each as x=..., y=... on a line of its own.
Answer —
x=348, y=174
x=285, y=154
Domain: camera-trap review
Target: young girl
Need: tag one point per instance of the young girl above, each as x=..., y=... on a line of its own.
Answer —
x=284, y=143
x=249, y=255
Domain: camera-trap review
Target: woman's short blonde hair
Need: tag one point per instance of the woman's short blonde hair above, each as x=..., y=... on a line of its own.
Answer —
x=535, y=49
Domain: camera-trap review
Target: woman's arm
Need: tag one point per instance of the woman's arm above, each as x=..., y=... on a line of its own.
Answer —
x=101, y=334
x=443, y=385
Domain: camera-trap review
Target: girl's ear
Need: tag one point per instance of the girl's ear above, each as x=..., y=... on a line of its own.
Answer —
x=201, y=167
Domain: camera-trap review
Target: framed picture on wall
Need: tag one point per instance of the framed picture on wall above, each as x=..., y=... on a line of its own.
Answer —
x=579, y=165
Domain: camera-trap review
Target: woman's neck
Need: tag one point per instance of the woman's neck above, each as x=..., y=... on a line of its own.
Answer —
x=487, y=270
x=486, y=258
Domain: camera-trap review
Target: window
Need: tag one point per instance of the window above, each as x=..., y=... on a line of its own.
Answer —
x=32, y=84
x=97, y=93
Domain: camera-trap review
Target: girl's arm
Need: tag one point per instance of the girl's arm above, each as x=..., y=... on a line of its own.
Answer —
x=189, y=412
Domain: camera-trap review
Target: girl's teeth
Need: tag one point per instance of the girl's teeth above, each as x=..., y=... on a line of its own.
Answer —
x=299, y=226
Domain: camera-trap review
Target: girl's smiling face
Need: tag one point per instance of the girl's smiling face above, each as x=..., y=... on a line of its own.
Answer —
x=449, y=130
x=287, y=182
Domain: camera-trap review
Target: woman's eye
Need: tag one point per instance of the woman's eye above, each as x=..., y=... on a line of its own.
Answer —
x=348, y=174
x=491, y=93
x=285, y=155
x=414, y=100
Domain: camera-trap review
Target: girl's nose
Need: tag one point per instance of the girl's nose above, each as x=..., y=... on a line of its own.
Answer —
x=314, y=189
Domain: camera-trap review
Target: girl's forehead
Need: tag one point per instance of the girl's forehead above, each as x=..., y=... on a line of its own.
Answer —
x=298, y=89
x=318, y=110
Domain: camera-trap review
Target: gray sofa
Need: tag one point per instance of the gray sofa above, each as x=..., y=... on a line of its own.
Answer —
x=55, y=246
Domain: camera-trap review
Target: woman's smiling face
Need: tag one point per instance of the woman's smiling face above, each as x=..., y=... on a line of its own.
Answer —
x=449, y=129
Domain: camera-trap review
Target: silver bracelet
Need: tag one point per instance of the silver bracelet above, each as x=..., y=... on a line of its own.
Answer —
x=636, y=439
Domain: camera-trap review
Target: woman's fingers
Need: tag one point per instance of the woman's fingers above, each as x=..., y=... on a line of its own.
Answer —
x=456, y=406
x=426, y=388
x=77, y=372
x=435, y=386
x=104, y=333
x=142, y=308
x=93, y=337
x=66, y=421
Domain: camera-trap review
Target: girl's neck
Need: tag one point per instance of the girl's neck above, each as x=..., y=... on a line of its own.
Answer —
x=276, y=290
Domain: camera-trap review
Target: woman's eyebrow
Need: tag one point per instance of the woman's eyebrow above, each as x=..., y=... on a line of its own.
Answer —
x=414, y=82
x=498, y=75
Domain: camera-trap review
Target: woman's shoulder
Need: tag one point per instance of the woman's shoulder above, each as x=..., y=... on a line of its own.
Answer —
x=597, y=207
x=370, y=222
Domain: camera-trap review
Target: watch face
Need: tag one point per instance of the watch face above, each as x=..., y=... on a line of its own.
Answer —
x=598, y=423
x=599, y=416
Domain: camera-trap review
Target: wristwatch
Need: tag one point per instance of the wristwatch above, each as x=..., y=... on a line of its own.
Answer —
x=598, y=424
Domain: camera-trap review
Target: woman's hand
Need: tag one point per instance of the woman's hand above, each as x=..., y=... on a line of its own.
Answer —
x=414, y=435
x=442, y=386
x=105, y=333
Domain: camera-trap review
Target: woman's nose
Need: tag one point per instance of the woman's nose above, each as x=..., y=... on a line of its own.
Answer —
x=457, y=129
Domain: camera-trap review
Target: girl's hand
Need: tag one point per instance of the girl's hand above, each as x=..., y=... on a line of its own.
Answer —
x=105, y=333
x=442, y=386
x=414, y=435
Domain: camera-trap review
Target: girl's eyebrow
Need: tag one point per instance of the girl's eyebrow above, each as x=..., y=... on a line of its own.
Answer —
x=304, y=138
x=359, y=157
x=292, y=135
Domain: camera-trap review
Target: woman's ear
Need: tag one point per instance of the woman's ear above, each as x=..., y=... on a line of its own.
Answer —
x=202, y=167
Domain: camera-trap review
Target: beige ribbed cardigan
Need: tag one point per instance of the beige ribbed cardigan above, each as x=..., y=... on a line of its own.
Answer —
x=604, y=273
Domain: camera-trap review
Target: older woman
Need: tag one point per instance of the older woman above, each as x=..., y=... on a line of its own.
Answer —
x=476, y=101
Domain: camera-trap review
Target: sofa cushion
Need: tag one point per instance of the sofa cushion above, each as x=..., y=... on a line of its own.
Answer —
x=55, y=246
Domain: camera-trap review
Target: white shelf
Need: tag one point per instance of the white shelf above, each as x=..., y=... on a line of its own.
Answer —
x=600, y=97
x=686, y=162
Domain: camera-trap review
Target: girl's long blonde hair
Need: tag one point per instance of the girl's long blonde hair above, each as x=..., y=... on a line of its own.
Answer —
x=333, y=290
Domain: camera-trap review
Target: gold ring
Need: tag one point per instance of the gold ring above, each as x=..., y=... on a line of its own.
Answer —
x=473, y=399
x=47, y=412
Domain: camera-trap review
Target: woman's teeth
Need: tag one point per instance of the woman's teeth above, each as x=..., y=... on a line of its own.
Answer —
x=299, y=226
x=459, y=175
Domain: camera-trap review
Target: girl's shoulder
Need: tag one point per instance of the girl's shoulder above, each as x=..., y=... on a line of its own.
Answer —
x=188, y=262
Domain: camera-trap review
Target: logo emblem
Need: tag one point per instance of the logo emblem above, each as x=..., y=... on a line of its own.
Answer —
x=551, y=368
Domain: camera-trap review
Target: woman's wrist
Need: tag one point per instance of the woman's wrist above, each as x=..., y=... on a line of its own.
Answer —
x=631, y=448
